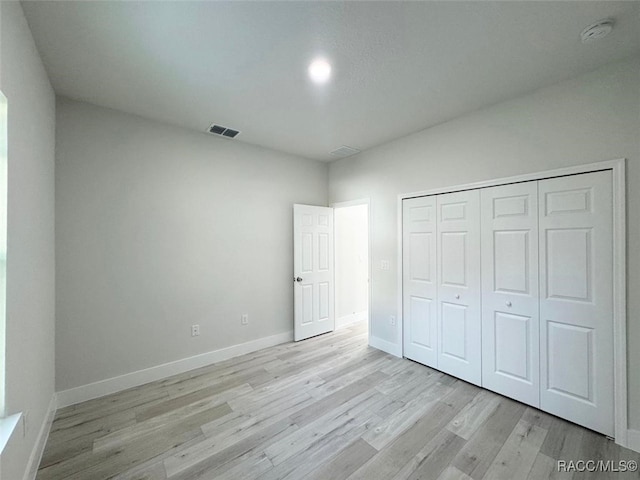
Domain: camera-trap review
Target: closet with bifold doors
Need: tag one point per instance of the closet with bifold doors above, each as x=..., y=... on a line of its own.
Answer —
x=511, y=288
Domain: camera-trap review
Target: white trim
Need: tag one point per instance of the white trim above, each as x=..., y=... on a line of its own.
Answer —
x=620, y=304
x=353, y=203
x=400, y=308
x=349, y=320
x=140, y=377
x=619, y=267
x=528, y=177
x=633, y=439
x=389, y=347
x=350, y=203
x=41, y=441
x=7, y=427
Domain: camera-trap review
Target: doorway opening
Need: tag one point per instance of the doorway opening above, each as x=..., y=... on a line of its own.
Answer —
x=352, y=266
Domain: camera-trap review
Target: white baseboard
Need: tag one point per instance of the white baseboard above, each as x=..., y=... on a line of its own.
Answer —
x=348, y=320
x=41, y=441
x=633, y=440
x=140, y=377
x=386, y=346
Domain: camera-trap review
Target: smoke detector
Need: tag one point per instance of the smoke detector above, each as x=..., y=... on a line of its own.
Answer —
x=596, y=31
x=223, y=131
x=344, y=151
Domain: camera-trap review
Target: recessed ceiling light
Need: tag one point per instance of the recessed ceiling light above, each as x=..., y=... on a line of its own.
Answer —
x=320, y=70
x=596, y=31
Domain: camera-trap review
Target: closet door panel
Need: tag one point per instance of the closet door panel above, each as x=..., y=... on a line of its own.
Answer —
x=510, y=320
x=458, y=253
x=576, y=302
x=419, y=279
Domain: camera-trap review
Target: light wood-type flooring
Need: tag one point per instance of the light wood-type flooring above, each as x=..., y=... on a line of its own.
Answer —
x=327, y=408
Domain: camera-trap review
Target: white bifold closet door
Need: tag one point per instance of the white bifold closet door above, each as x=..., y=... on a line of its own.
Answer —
x=576, y=299
x=510, y=322
x=458, y=275
x=419, y=279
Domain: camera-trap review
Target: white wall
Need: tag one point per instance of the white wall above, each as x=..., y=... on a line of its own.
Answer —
x=351, y=261
x=588, y=119
x=159, y=228
x=30, y=242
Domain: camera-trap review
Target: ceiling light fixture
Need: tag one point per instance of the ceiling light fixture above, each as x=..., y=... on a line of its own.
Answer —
x=320, y=70
x=596, y=31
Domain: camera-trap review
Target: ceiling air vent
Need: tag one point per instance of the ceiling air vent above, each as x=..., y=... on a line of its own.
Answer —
x=223, y=131
x=344, y=151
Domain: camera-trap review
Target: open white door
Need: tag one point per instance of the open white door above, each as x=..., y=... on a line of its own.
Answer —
x=313, y=288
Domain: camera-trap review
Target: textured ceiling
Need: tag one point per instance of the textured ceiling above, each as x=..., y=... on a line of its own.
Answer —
x=398, y=67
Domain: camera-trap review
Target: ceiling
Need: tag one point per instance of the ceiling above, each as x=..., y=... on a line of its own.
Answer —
x=398, y=67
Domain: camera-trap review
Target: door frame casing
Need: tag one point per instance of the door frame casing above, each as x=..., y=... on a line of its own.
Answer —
x=355, y=203
x=618, y=168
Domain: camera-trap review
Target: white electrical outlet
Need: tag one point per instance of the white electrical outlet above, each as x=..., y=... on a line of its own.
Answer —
x=244, y=320
x=195, y=330
x=392, y=320
x=384, y=265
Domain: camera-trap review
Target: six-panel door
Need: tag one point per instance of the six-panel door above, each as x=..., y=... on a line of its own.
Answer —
x=313, y=290
x=458, y=273
x=510, y=323
x=576, y=300
x=419, y=279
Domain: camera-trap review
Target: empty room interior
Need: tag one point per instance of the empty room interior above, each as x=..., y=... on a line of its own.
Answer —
x=319, y=240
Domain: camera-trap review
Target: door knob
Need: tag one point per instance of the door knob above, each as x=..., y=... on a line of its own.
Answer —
x=508, y=304
x=298, y=279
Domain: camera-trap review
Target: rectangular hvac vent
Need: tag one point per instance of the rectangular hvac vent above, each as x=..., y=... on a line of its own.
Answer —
x=230, y=133
x=344, y=151
x=223, y=131
x=217, y=129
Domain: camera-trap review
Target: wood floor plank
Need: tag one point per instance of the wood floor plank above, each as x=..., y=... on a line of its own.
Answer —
x=481, y=449
x=320, y=451
x=349, y=377
x=251, y=468
x=405, y=416
x=543, y=467
x=452, y=473
x=274, y=392
x=345, y=463
x=562, y=441
x=109, y=463
x=433, y=458
x=350, y=367
x=596, y=447
x=389, y=461
x=231, y=389
x=334, y=422
x=196, y=463
x=72, y=441
x=519, y=452
x=68, y=417
x=474, y=414
x=155, y=471
x=403, y=382
x=334, y=400
x=189, y=417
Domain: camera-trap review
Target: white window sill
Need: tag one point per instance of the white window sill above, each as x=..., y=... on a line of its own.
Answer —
x=7, y=427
